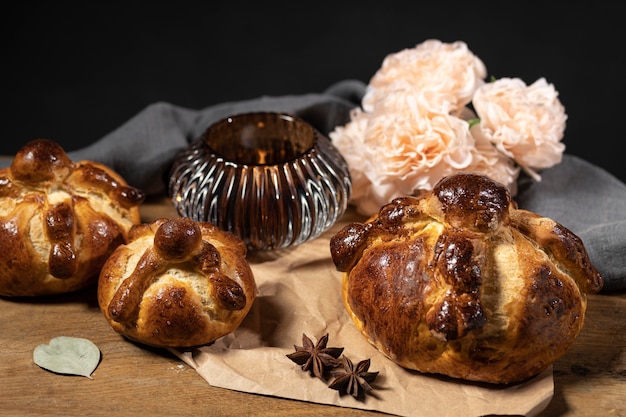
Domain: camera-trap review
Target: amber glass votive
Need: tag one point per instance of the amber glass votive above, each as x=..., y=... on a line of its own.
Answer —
x=270, y=178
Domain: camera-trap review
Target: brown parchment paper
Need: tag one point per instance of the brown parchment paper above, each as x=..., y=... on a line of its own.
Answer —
x=300, y=292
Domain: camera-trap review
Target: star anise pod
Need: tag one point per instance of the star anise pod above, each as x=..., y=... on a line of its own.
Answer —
x=353, y=380
x=316, y=358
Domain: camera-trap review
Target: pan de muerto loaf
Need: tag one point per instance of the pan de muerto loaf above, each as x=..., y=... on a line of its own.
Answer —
x=460, y=282
x=177, y=283
x=59, y=220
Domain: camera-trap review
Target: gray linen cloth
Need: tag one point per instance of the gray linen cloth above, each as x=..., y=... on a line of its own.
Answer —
x=582, y=197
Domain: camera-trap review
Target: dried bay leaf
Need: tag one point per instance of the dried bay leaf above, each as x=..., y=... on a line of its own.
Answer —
x=68, y=355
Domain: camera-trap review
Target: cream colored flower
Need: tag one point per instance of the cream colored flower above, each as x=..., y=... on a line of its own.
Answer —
x=401, y=153
x=525, y=123
x=490, y=161
x=414, y=125
x=350, y=141
x=450, y=69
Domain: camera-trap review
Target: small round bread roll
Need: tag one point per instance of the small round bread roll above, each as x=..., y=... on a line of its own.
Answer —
x=59, y=220
x=177, y=283
x=460, y=282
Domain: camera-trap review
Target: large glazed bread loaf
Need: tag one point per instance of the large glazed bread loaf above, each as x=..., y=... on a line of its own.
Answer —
x=461, y=282
x=59, y=220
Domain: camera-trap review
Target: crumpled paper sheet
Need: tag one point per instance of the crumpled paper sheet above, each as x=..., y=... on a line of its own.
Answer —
x=300, y=292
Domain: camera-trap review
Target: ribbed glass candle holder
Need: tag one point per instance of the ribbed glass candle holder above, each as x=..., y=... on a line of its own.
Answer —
x=270, y=178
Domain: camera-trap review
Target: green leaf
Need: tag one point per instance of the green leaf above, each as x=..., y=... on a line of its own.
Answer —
x=473, y=121
x=68, y=355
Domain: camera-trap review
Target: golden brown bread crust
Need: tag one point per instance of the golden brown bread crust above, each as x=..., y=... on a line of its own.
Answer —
x=461, y=282
x=177, y=283
x=59, y=220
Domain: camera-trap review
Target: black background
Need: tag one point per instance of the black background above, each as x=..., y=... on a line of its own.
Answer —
x=74, y=74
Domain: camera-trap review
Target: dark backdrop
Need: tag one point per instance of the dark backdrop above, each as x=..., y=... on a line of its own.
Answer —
x=73, y=74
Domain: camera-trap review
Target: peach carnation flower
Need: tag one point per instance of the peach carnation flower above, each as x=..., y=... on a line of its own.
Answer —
x=449, y=69
x=416, y=125
x=526, y=123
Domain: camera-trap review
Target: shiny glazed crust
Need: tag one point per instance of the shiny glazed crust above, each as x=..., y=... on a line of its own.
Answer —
x=59, y=220
x=461, y=282
x=177, y=283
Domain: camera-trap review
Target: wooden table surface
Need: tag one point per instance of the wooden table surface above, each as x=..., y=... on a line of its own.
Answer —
x=590, y=379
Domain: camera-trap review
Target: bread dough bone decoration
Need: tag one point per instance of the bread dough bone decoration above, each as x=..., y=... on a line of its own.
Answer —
x=459, y=281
